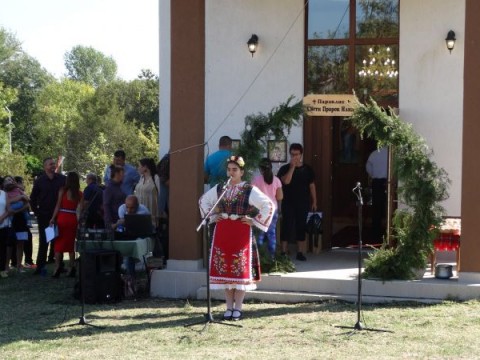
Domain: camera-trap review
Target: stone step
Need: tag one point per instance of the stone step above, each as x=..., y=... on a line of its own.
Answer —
x=290, y=297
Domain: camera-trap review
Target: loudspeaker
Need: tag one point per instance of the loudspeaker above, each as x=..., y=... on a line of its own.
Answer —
x=100, y=276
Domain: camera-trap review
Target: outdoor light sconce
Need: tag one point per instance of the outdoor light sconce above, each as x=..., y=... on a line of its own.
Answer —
x=450, y=40
x=252, y=44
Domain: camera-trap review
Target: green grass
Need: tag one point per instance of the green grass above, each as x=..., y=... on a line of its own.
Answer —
x=39, y=319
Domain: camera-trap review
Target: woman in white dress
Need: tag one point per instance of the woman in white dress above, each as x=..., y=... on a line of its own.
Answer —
x=234, y=264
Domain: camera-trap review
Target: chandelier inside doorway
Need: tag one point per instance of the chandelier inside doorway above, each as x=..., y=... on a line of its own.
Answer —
x=379, y=64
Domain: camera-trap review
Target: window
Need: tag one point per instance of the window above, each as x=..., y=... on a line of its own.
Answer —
x=353, y=45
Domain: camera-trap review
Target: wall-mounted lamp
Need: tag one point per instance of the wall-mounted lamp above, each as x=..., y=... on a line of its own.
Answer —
x=450, y=40
x=252, y=44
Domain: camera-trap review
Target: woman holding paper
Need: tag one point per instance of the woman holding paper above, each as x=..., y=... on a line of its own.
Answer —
x=65, y=216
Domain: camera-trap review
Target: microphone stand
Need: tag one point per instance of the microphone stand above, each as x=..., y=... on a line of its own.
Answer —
x=208, y=318
x=357, y=190
x=81, y=247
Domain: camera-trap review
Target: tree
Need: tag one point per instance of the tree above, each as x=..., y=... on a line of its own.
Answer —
x=90, y=66
x=9, y=45
x=138, y=99
x=57, y=117
x=25, y=74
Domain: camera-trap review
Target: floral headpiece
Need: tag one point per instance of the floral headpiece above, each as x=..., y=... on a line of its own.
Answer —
x=237, y=160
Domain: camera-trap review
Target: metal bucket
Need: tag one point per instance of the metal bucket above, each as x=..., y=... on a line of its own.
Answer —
x=443, y=271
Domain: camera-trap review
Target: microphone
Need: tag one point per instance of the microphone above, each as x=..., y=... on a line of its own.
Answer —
x=227, y=183
x=358, y=186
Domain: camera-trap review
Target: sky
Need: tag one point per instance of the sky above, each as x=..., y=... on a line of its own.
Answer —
x=126, y=30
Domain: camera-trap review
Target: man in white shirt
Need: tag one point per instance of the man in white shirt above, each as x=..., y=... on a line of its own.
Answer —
x=377, y=169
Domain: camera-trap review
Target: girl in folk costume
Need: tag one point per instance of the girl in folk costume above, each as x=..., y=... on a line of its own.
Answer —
x=234, y=262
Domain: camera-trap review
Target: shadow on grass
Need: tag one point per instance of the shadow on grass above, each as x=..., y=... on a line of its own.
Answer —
x=38, y=308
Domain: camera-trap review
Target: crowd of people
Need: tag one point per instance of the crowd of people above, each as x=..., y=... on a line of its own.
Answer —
x=57, y=201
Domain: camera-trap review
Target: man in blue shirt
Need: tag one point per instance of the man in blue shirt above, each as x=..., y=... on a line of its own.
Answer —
x=131, y=175
x=216, y=164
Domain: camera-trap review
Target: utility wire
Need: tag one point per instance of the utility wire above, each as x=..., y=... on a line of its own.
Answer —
x=249, y=86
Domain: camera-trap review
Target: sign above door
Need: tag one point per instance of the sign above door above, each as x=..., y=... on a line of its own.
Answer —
x=330, y=104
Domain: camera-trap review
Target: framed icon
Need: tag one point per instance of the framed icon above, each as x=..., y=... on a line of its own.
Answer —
x=277, y=150
x=236, y=144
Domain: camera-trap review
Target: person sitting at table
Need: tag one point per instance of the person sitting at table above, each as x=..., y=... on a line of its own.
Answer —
x=131, y=206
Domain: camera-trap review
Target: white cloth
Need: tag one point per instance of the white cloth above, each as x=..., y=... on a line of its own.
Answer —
x=3, y=208
x=377, y=164
x=257, y=199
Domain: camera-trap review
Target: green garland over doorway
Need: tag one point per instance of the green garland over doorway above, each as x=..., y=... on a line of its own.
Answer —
x=422, y=186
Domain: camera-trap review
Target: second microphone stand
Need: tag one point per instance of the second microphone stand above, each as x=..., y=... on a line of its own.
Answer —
x=208, y=317
x=357, y=190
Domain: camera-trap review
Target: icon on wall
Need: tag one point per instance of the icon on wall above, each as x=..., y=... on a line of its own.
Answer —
x=277, y=150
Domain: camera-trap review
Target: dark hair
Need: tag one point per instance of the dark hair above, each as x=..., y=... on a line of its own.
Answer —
x=1, y=182
x=114, y=170
x=47, y=159
x=266, y=170
x=72, y=184
x=18, y=179
x=150, y=164
x=92, y=176
x=296, y=146
x=120, y=154
x=225, y=141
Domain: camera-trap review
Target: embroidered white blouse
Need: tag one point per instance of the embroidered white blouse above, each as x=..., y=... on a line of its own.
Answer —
x=257, y=199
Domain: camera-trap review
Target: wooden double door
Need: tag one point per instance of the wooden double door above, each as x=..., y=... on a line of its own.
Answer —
x=338, y=156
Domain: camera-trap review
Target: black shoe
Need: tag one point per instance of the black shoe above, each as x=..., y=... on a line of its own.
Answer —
x=50, y=261
x=227, y=315
x=56, y=274
x=236, y=315
x=301, y=257
x=72, y=272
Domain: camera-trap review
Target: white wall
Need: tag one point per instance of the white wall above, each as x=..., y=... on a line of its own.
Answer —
x=431, y=82
x=165, y=76
x=232, y=89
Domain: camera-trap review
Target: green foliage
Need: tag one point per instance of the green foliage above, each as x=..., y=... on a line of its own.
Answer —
x=422, y=186
x=9, y=45
x=25, y=74
x=260, y=128
x=7, y=97
x=57, y=118
x=34, y=165
x=138, y=99
x=15, y=165
x=279, y=264
x=90, y=66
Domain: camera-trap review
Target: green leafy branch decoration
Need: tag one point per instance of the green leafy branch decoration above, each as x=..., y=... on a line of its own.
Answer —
x=422, y=186
x=259, y=128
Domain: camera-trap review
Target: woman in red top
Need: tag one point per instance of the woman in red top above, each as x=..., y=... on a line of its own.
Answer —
x=65, y=215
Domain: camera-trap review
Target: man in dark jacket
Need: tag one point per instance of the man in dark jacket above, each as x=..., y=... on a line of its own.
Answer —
x=42, y=201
